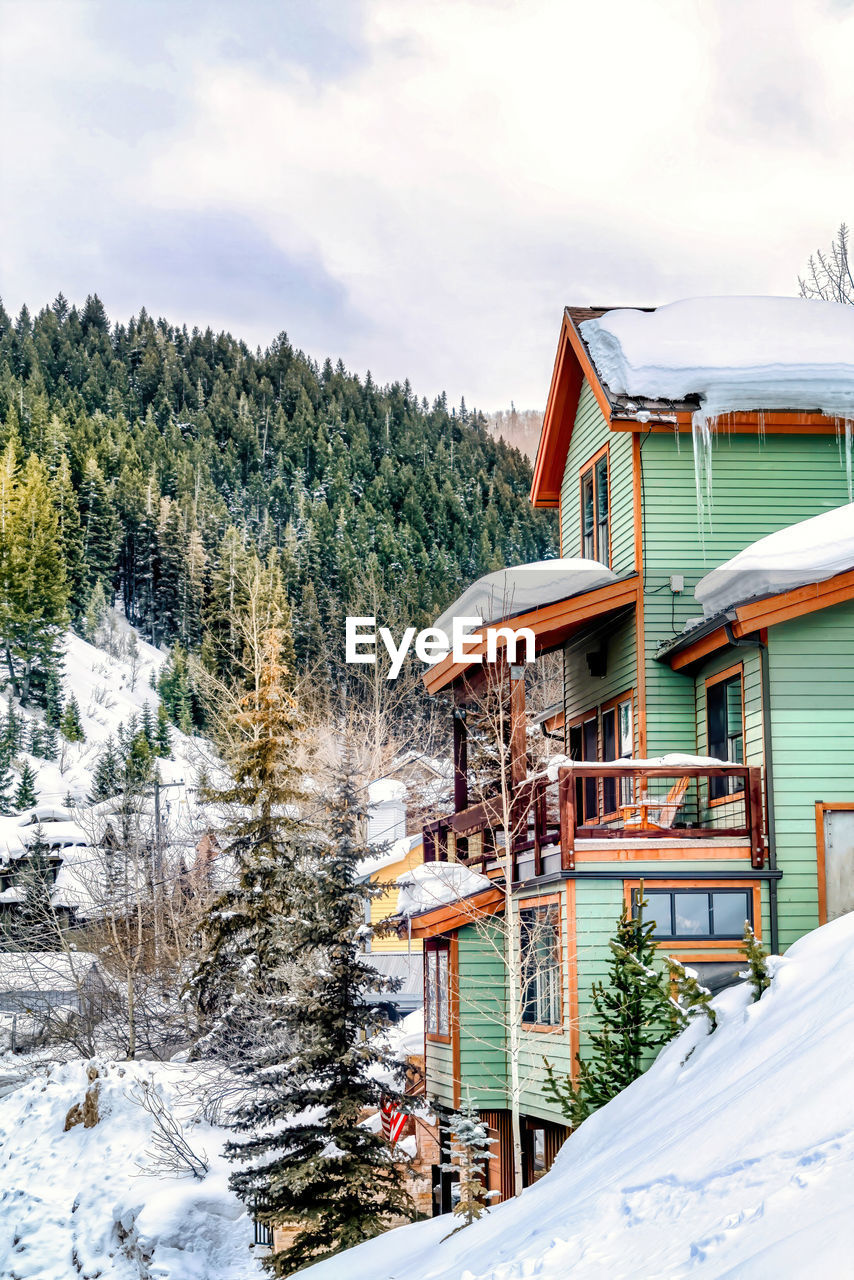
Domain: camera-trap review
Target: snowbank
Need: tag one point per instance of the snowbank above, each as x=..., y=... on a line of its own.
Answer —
x=735, y=353
x=810, y=551
x=435, y=883
x=386, y=858
x=524, y=587
x=84, y=1201
x=732, y=1157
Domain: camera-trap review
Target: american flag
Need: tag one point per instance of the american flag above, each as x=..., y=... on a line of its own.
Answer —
x=393, y=1120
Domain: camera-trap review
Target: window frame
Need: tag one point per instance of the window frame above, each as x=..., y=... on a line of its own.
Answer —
x=590, y=470
x=579, y=722
x=701, y=947
x=435, y=949
x=549, y=904
x=729, y=674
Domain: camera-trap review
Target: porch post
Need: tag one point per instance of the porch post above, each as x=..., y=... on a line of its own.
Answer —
x=461, y=767
x=518, y=738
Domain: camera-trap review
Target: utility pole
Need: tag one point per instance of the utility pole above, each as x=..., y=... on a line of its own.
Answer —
x=157, y=862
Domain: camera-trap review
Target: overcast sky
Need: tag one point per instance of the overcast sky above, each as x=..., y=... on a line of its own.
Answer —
x=418, y=186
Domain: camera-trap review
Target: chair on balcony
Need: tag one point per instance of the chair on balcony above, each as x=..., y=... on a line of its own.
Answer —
x=637, y=814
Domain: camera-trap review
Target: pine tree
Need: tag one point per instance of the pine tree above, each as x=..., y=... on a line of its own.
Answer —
x=108, y=778
x=35, y=913
x=147, y=726
x=139, y=762
x=6, y=785
x=305, y=1152
x=25, y=795
x=162, y=744
x=36, y=742
x=71, y=726
x=96, y=612
x=50, y=743
x=100, y=528
x=634, y=1017
x=70, y=535
x=12, y=734
x=693, y=999
x=757, y=967
x=248, y=951
x=471, y=1148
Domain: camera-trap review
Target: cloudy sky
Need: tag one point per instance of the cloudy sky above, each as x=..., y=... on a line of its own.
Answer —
x=418, y=186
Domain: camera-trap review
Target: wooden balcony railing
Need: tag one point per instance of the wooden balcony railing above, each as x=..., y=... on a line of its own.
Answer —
x=548, y=818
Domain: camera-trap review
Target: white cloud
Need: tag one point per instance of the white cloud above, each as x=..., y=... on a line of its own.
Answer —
x=481, y=164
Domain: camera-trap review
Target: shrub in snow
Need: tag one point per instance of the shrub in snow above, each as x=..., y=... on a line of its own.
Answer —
x=471, y=1148
x=757, y=972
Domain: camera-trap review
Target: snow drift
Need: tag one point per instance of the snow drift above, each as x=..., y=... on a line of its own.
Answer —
x=735, y=353
x=82, y=1201
x=810, y=551
x=733, y=1156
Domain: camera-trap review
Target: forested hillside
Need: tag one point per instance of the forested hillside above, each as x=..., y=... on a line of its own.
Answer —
x=172, y=458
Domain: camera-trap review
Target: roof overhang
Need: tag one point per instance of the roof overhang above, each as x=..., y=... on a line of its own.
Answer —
x=453, y=915
x=551, y=624
x=573, y=364
x=755, y=616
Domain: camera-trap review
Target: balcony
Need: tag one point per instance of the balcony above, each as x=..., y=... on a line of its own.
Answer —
x=597, y=811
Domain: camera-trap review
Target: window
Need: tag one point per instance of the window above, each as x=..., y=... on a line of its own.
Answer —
x=615, y=742
x=437, y=990
x=698, y=913
x=725, y=728
x=595, y=514
x=540, y=948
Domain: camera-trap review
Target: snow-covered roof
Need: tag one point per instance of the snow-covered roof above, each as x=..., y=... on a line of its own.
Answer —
x=810, y=551
x=736, y=353
x=434, y=884
x=44, y=970
x=386, y=791
x=524, y=587
x=388, y=857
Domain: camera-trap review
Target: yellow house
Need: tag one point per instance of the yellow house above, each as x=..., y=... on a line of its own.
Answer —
x=403, y=855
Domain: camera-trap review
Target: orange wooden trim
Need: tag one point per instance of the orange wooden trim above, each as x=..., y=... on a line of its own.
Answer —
x=728, y=799
x=743, y=423
x=454, y=915
x=637, y=503
x=555, y=722
x=737, y=669
x=719, y=853
x=545, y=900
x=589, y=468
x=712, y=944
x=794, y=604
x=700, y=649
x=454, y=1017
x=558, y=421
x=572, y=972
x=821, y=808
x=588, y=369
x=549, y=624
x=640, y=630
x=697, y=957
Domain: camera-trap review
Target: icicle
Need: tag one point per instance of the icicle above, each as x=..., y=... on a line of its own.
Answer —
x=676, y=437
x=761, y=427
x=848, y=431
x=702, y=429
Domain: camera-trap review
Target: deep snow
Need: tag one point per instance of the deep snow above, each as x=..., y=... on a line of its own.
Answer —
x=733, y=1157
x=83, y=1203
x=810, y=551
x=735, y=353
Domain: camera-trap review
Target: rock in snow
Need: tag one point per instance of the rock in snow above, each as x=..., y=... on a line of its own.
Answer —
x=732, y=1157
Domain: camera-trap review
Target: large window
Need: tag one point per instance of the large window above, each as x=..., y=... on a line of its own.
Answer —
x=437, y=994
x=540, y=948
x=698, y=913
x=725, y=727
x=595, y=513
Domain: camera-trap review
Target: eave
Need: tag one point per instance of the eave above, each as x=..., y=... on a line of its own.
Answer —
x=757, y=615
x=453, y=915
x=551, y=625
x=635, y=414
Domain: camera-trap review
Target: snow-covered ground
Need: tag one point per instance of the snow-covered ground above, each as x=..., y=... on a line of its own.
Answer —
x=88, y=1202
x=733, y=1157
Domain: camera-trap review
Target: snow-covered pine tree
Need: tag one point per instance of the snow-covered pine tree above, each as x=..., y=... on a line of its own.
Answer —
x=25, y=793
x=34, y=917
x=471, y=1148
x=71, y=726
x=307, y=1156
x=35, y=745
x=691, y=997
x=756, y=956
x=162, y=743
x=6, y=785
x=108, y=778
x=633, y=1016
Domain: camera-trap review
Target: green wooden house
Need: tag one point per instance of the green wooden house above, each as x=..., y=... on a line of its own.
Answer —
x=735, y=726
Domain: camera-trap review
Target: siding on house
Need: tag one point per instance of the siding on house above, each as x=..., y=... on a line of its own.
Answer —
x=555, y=1045
x=583, y=692
x=482, y=999
x=758, y=486
x=811, y=674
x=589, y=434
